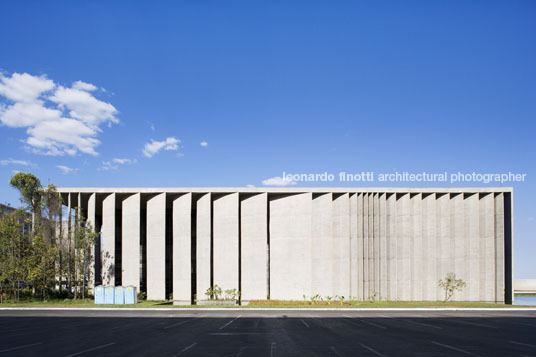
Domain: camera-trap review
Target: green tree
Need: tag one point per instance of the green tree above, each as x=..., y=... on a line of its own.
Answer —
x=14, y=250
x=41, y=264
x=450, y=284
x=29, y=187
x=85, y=238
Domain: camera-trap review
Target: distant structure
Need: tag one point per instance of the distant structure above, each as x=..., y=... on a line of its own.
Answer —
x=5, y=209
x=525, y=286
x=286, y=243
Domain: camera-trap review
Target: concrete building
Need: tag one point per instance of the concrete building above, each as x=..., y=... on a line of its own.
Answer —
x=5, y=209
x=284, y=243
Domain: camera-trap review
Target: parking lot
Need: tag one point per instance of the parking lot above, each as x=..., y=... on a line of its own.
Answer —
x=266, y=333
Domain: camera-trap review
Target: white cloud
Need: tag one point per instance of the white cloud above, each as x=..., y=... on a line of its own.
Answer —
x=66, y=170
x=84, y=86
x=278, y=181
x=24, y=87
x=250, y=186
x=16, y=162
x=150, y=149
x=204, y=144
x=113, y=164
x=58, y=120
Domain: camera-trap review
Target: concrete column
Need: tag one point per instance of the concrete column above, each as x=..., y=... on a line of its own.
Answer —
x=341, y=245
x=203, y=245
x=156, y=247
x=130, y=241
x=458, y=249
x=429, y=240
x=444, y=239
x=290, y=246
x=371, y=245
x=376, y=245
x=322, y=246
x=360, y=243
x=416, y=254
x=487, y=248
x=226, y=242
x=403, y=248
x=353, y=245
x=366, y=290
x=91, y=219
x=108, y=240
x=254, y=245
x=499, y=247
x=391, y=247
x=182, y=237
x=382, y=215
x=472, y=244
x=69, y=235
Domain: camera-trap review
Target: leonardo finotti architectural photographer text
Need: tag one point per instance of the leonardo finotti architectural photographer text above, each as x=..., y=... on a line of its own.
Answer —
x=369, y=176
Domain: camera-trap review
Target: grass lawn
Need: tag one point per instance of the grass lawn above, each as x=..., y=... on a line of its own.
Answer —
x=262, y=304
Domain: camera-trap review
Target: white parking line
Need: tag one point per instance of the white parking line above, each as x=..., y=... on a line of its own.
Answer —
x=473, y=324
x=182, y=322
x=523, y=344
x=454, y=348
x=230, y=322
x=373, y=324
x=19, y=347
x=91, y=349
x=516, y=323
x=305, y=323
x=334, y=350
x=423, y=324
x=272, y=347
x=187, y=348
x=239, y=333
x=371, y=350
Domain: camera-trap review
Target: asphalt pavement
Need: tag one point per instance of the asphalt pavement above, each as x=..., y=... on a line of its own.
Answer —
x=204, y=332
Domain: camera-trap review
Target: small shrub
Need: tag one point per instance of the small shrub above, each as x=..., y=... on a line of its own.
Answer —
x=213, y=292
x=450, y=284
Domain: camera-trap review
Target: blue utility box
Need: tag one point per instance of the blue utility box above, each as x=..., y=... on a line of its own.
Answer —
x=109, y=294
x=131, y=295
x=119, y=297
x=99, y=294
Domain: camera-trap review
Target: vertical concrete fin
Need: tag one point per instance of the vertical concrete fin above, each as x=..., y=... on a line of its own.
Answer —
x=403, y=247
x=472, y=244
x=429, y=239
x=391, y=247
x=156, y=247
x=366, y=201
x=254, y=252
x=225, y=241
x=341, y=245
x=458, y=249
x=130, y=243
x=290, y=246
x=376, y=245
x=203, y=245
x=91, y=219
x=108, y=240
x=353, y=245
x=382, y=214
x=182, y=249
x=322, y=246
x=499, y=248
x=360, y=244
x=417, y=258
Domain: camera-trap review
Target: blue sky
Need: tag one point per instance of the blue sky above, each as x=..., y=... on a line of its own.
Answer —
x=270, y=87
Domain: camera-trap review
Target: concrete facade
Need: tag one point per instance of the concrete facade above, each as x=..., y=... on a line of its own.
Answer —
x=284, y=243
